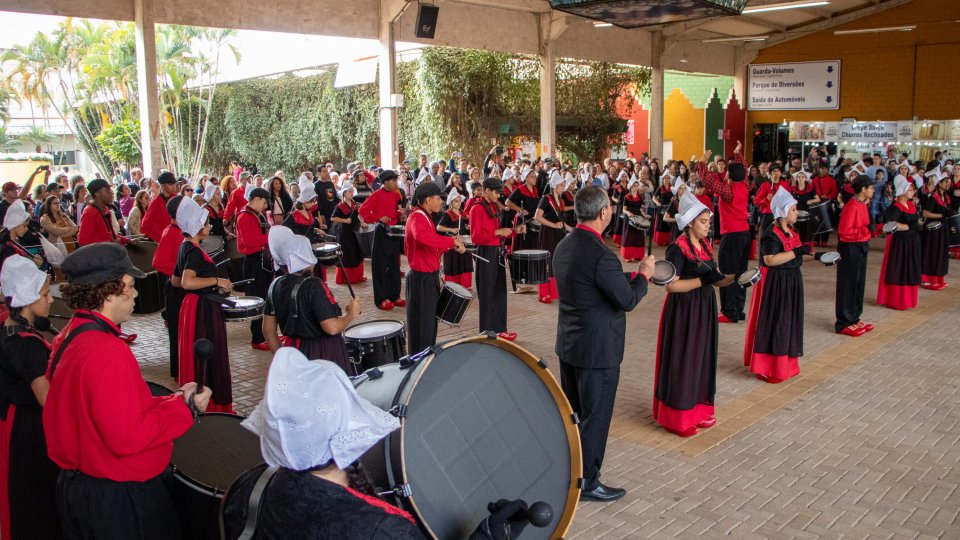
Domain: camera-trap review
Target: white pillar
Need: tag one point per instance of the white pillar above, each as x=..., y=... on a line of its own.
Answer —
x=389, y=148
x=149, y=93
x=548, y=90
x=656, y=94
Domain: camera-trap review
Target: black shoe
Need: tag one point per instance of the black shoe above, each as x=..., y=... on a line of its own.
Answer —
x=603, y=493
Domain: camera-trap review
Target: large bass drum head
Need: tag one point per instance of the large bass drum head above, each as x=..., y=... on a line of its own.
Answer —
x=484, y=422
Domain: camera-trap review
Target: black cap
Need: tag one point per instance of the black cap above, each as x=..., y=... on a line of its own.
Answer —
x=52, y=186
x=425, y=191
x=173, y=204
x=167, y=177
x=96, y=185
x=258, y=193
x=98, y=263
x=386, y=175
x=492, y=183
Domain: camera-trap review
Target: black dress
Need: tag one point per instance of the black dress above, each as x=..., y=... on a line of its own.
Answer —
x=347, y=236
x=900, y=271
x=457, y=267
x=314, y=304
x=527, y=200
x=804, y=228
x=617, y=192
x=304, y=226
x=935, y=258
x=569, y=216
x=216, y=221
x=28, y=502
x=633, y=239
x=672, y=211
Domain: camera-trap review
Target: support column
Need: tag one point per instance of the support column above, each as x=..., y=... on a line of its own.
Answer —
x=149, y=93
x=656, y=94
x=389, y=147
x=548, y=89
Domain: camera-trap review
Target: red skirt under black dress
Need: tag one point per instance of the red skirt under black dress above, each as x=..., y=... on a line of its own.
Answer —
x=632, y=246
x=202, y=317
x=935, y=258
x=899, y=283
x=549, y=238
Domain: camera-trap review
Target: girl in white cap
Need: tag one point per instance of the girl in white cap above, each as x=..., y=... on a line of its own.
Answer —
x=28, y=479
x=14, y=228
x=346, y=222
x=935, y=258
x=898, y=287
x=302, y=219
x=673, y=209
x=617, y=193
x=457, y=267
x=213, y=204
x=523, y=201
x=662, y=198
x=549, y=214
x=632, y=248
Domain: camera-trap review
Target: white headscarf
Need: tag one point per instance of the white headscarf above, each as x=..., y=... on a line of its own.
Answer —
x=900, y=185
x=633, y=180
x=21, y=281
x=16, y=215
x=568, y=179
x=677, y=185
x=508, y=174
x=246, y=191
x=307, y=191
x=690, y=207
x=805, y=174
x=526, y=171
x=347, y=184
x=781, y=203
x=555, y=179
x=623, y=174
x=289, y=249
x=453, y=195
x=210, y=191
x=190, y=217
x=311, y=414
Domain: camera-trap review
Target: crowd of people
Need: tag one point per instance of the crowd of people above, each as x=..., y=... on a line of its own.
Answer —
x=97, y=429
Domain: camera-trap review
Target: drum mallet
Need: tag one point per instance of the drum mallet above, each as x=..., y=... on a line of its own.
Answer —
x=540, y=514
x=202, y=351
x=345, y=278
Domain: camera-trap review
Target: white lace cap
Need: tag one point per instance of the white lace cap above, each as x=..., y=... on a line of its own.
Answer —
x=310, y=414
x=781, y=202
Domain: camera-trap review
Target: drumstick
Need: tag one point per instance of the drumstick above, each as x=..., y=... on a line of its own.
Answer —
x=202, y=351
x=345, y=278
x=475, y=256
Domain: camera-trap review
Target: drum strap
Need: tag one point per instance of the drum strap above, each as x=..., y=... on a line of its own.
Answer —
x=253, y=505
x=85, y=327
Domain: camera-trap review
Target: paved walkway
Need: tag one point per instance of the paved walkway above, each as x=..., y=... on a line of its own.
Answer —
x=864, y=443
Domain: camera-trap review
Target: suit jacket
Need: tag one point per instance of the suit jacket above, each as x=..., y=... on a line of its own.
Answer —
x=595, y=294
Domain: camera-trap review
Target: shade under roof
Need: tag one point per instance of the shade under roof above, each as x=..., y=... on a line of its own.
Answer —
x=637, y=13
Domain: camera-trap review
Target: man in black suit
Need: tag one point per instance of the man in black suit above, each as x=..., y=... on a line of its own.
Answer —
x=595, y=294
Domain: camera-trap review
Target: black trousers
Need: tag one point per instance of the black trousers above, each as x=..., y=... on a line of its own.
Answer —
x=253, y=268
x=385, y=264
x=851, y=281
x=492, y=290
x=173, y=297
x=423, y=294
x=107, y=510
x=733, y=258
x=591, y=393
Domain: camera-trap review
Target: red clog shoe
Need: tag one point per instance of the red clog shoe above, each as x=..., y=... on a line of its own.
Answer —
x=509, y=336
x=546, y=300
x=867, y=327
x=400, y=302
x=723, y=319
x=853, y=331
x=128, y=338
x=708, y=423
x=260, y=346
x=386, y=305
x=689, y=432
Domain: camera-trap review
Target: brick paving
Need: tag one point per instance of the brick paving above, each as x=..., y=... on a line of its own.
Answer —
x=863, y=444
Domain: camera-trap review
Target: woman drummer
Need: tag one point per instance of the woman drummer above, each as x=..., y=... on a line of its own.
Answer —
x=670, y=216
x=302, y=219
x=15, y=226
x=301, y=307
x=550, y=215
x=457, y=267
x=661, y=199
x=347, y=221
x=28, y=478
x=774, y=341
x=900, y=271
x=935, y=258
x=633, y=238
x=201, y=315
x=686, y=368
x=569, y=216
x=617, y=192
x=213, y=204
x=806, y=197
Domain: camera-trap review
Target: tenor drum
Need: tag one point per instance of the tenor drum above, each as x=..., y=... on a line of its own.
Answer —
x=244, y=308
x=206, y=460
x=639, y=222
x=396, y=230
x=820, y=217
x=215, y=248
x=375, y=343
x=481, y=420
x=453, y=303
x=529, y=266
x=327, y=253
x=150, y=288
x=749, y=278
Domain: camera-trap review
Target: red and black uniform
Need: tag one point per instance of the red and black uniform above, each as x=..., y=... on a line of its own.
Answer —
x=805, y=227
x=257, y=263
x=632, y=246
x=507, y=215
x=760, y=200
x=156, y=219
x=854, y=245
x=385, y=254
x=216, y=221
x=423, y=246
x=899, y=283
x=28, y=478
x=617, y=193
x=457, y=267
x=306, y=225
x=661, y=234
x=685, y=382
x=468, y=204
x=826, y=188
x=774, y=341
x=111, y=438
x=300, y=303
x=485, y=219
x=96, y=225
x=236, y=203
x=549, y=238
x=935, y=255
x=569, y=215
x=164, y=261
x=526, y=198
x=351, y=252
x=201, y=317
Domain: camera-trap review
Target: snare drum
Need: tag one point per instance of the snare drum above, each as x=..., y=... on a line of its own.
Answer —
x=890, y=227
x=206, y=460
x=820, y=216
x=396, y=230
x=534, y=227
x=803, y=216
x=529, y=266
x=829, y=258
x=663, y=272
x=639, y=222
x=749, y=278
x=933, y=225
x=453, y=303
x=327, y=253
x=245, y=309
x=150, y=288
x=470, y=246
x=375, y=343
x=215, y=248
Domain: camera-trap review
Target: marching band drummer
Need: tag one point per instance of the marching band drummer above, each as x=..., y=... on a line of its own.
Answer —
x=673, y=209
x=111, y=439
x=213, y=204
x=935, y=257
x=774, y=341
x=28, y=502
x=806, y=196
x=899, y=282
x=156, y=219
x=302, y=219
x=423, y=246
x=662, y=198
x=252, y=243
x=347, y=221
x=489, y=236
x=854, y=235
x=382, y=208
x=549, y=215
x=686, y=371
x=765, y=193
x=523, y=201
x=15, y=224
x=201, y=316
x=303, y=308
x=457, y=267
x=632, y=247
x=164, y=261
x=96, y=221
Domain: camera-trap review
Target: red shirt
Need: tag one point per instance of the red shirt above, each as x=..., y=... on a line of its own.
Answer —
x=99, y=417
x=165, y=258
x=251, y=233
x=854, y=222
x=96, y=226
x=483, y=225
x=733, y=198
x=706, y=200
x=236, y=203
x=826, y=187
x=760, y=199
x=422, y=244
x=379, y=204
x=156, y=219
x=469, y=204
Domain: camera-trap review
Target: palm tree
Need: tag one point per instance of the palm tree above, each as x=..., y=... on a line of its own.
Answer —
x=38, y=136
x=8, y=143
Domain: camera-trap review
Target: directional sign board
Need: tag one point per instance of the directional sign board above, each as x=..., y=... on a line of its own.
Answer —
x=794, y=86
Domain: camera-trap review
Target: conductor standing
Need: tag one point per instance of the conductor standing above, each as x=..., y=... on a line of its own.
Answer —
x=595, y=294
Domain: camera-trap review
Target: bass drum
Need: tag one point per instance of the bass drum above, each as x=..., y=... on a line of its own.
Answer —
x=482, y=419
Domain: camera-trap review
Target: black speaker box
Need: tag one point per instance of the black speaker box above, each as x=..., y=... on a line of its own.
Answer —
x=427, y=21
